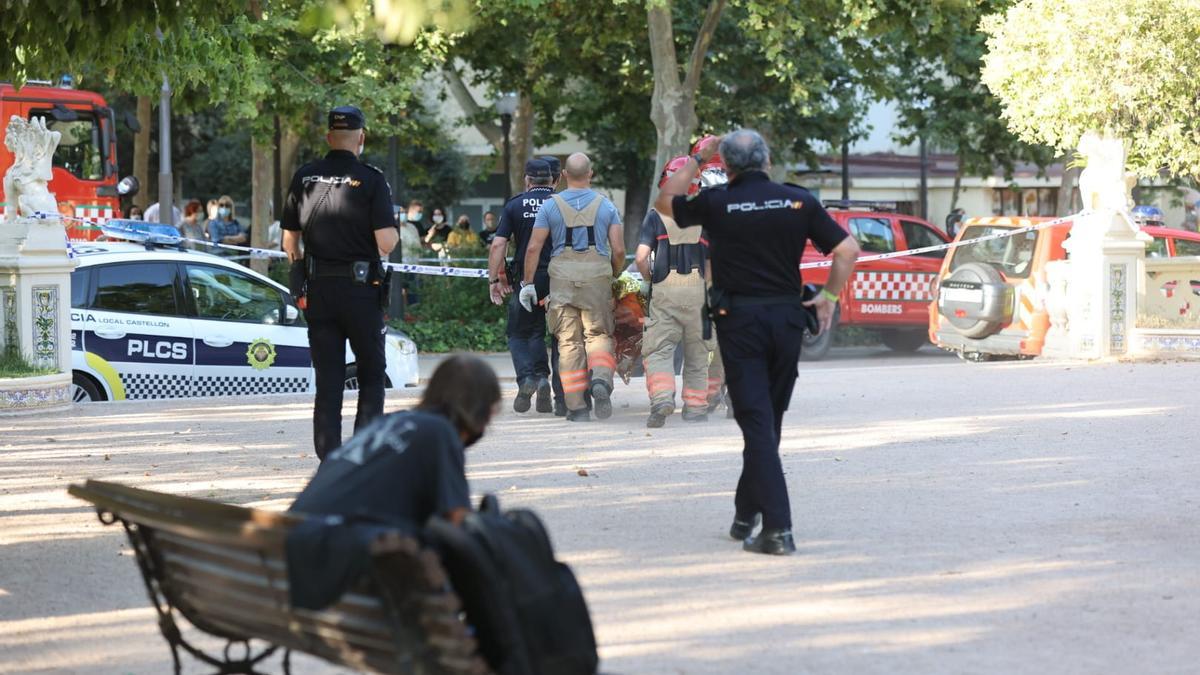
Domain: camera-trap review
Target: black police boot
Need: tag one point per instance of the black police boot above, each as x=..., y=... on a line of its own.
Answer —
x=560, y=409
x=601, y=402
x=742, y=528
x=581, y=415
x=693, y=416
x=543, y=396
x=659, y=414
x=524, y=393
x=771, y=541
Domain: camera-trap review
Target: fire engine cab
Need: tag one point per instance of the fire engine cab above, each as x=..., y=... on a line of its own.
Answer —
x=85, y=163
x=891, y=296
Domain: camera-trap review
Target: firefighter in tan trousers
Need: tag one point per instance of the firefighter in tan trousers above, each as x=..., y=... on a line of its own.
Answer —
x=674, y=263
x=587, y=252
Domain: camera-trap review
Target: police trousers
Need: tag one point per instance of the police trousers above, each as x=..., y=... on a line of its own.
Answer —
x=761, y=346
x=340, y=310
x=580, y=313
x=527, y=345
x=676, y=319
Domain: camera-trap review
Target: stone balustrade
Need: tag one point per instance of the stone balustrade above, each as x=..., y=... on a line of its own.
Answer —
x=1168, y=318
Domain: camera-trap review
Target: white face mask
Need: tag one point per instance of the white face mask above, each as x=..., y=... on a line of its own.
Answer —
x=439, y=219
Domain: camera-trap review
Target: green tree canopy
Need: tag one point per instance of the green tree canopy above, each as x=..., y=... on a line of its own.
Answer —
x=1123, y=68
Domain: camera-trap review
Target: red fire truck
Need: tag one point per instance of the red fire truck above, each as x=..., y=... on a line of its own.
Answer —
x=891, y=296
x=85, y=163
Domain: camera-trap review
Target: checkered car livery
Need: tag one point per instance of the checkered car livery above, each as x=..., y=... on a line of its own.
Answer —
x=94, y=214
x=909, y=286
x=147, y=385
x=238, y=386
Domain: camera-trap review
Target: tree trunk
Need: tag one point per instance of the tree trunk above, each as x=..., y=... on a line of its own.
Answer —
x=673, y=102
x=472, y=110
x=957, y=185
x=141, y=152
x=522, y=142
x=262, y=184
x=1066, y=189
x=289, y=158
x=637, y=200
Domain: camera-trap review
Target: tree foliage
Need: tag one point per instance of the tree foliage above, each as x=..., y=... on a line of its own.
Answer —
x=1116, y=67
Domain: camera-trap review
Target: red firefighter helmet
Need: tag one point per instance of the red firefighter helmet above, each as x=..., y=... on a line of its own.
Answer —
x=675, y=165
x=711, y=172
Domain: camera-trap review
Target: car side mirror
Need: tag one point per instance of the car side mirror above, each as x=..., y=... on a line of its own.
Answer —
x=128, y=186
x=290, y=314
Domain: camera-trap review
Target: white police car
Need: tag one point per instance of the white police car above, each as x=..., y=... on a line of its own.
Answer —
x=151, y=322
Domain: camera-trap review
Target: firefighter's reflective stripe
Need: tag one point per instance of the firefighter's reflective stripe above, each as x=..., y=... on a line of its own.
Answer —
x=911, y=286
x=574, y=380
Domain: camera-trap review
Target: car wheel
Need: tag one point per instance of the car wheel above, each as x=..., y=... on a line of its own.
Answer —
x=905, y=340
x=84, y=390
x=352, y=378
x=814, y=348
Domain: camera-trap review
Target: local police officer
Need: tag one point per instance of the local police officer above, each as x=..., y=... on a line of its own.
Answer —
x=673, y=261
x=758, y=230
x=588, y=250
x=341, y=209
x=526, y=330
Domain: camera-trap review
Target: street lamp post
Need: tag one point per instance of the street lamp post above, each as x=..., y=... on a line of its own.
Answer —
x=923, y=151
x=506, y=105
x=166, y=182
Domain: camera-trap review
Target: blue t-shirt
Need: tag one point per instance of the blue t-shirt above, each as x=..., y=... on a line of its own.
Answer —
x=578, y=198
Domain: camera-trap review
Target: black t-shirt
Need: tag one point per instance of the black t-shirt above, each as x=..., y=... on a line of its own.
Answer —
x=340, y=202
x=516, y=225
x=682, y=258
x=757, y=231
x=402, y=468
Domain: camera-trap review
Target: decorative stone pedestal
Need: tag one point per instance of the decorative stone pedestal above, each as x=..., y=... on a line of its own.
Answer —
x=35, y=292
x=35, y=272
x=1105, y=249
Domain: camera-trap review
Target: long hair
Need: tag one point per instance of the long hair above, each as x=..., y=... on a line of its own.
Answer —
x=465, y=390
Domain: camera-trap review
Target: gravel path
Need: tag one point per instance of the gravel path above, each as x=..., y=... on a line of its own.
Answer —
x=951, y=518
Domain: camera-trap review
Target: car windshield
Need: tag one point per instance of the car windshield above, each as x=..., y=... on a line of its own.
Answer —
x=1011, y=255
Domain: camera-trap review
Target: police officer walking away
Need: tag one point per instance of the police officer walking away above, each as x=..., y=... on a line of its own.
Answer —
x=588, y=250
x=673, y=261
x=758, y=230
x=526, y=330
x=341, y=209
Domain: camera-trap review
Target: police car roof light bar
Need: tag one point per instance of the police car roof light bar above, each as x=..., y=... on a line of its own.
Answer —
x=149, y=234
x=859, y=205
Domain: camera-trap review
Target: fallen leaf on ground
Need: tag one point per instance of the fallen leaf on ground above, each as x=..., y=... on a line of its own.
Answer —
x=582, y=472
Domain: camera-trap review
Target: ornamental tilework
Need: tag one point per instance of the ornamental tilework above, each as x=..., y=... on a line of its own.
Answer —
x=1116, y=308
x=8, y=302
x=45, y=325
x=893, y=286
x=1170, y=343
x=37, y=397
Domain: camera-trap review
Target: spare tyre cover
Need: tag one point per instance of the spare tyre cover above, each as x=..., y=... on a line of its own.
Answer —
x=976, y=300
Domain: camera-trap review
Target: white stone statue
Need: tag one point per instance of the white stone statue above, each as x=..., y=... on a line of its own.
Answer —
x=25, y=183
x=1104, y=185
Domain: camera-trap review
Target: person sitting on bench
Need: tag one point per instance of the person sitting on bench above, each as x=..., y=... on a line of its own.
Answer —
x=394, y=474
x=407, y=466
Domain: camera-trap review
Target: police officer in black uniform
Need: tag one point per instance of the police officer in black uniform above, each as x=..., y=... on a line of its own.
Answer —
x=757, y=231
x=527, y=330
x=341, y=209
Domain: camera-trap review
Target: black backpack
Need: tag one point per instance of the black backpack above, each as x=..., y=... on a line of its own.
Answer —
x=528, y=611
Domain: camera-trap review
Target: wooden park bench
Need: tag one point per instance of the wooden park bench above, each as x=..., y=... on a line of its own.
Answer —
x=223, y=568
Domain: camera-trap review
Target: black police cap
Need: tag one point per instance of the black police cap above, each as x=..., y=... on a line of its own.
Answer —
x=538, y=168
x=555, y=166
x=346, y=117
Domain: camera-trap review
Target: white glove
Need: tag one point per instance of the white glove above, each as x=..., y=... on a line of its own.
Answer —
x=644, y=289
x=528, y=297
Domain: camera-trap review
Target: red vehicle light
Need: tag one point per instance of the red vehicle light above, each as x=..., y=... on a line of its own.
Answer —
x=960, y=313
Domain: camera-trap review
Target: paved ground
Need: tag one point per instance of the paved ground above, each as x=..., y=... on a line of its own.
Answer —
x=951, y=518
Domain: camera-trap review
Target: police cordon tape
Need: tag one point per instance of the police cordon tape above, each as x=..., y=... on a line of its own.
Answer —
x=953, y=244
x=437, y=270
